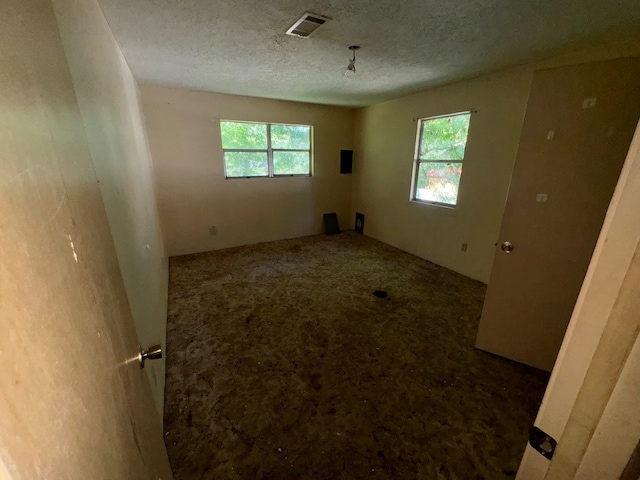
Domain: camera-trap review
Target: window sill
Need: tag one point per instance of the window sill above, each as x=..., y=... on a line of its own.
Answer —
x=303, y=175
x=438, y=208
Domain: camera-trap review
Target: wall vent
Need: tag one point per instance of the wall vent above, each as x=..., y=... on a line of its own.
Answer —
x=306, y=25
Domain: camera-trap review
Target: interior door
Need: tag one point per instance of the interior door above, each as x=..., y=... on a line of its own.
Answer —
x=577, y=130
x=589, y=368
x=74, y=402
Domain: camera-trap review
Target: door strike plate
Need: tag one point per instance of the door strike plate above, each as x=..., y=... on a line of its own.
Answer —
x=542, y=442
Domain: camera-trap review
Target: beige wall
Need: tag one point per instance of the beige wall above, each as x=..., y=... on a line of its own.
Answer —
x=384, y=152
x=193, y=194
x=383, y=161
x=108, y=98
x=74, y=404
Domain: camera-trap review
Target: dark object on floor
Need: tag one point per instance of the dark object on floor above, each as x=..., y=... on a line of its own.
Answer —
x=331, y=224
x=380, y=293
x=359, y=222
x=346, y=161
x=324, y=377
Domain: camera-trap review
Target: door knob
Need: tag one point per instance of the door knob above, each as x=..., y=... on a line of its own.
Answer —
x=507, y=247
x=152, y=353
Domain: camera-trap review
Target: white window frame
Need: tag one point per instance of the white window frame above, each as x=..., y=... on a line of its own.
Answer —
x=269, y=151
x=417, y=160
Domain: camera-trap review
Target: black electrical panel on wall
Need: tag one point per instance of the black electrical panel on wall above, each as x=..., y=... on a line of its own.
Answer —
x=346, y=161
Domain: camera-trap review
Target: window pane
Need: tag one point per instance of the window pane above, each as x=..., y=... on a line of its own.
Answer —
x=291, y=163
x=444, y=138
x=246, y=164
x=291, y=137
x=438, y=182
x=249, y=136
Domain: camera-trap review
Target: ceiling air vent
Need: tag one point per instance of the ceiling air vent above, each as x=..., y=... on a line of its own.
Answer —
x=306, y=25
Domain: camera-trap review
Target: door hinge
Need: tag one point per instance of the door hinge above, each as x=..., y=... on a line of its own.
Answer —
x=543, y=443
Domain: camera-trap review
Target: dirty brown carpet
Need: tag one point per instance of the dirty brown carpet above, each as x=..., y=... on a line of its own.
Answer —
x=283, y=364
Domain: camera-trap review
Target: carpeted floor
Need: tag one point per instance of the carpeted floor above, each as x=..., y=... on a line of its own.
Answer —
x=282, y=364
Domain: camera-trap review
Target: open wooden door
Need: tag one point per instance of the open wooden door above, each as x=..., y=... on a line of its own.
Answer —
x=577, y=130
x=74, y=403
x=590, y=406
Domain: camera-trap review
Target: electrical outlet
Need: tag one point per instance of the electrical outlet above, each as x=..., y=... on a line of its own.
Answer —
x=464, y=247
x=589, y=102
x=542, y=197
x=213, y=230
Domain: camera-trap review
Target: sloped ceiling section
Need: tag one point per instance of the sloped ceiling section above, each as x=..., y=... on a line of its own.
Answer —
x=240, y=46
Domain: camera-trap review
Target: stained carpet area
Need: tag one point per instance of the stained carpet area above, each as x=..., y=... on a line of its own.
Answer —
x=283, y=364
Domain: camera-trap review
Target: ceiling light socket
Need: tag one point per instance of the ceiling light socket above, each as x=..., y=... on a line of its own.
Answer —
x=351, y=68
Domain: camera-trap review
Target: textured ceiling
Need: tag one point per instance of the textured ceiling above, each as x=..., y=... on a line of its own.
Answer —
x=239, y=46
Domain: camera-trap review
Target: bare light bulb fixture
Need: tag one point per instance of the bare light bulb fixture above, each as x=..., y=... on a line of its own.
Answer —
x=351, y=68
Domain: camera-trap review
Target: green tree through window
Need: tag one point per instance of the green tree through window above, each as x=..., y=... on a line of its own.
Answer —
x=265, y=150
x=440, y=154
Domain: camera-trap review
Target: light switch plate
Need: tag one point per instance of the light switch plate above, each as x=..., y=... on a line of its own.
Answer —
x=589, y=102
x=542, y=197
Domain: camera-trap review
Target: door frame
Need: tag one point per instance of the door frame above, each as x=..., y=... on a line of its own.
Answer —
x=568, y=411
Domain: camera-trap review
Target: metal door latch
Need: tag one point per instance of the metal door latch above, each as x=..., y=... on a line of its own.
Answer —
x=542, y=442
x=152, y=353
